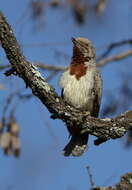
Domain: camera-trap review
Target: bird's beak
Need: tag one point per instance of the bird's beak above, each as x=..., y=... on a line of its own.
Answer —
x=73, y=40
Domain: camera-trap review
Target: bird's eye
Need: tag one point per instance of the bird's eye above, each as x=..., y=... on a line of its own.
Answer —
x=86, y=45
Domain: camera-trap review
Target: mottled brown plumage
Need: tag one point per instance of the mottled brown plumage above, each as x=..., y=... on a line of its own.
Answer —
x=82, y=88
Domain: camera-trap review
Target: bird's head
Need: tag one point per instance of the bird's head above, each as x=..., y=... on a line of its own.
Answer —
x=83, y=58
x=83, y=47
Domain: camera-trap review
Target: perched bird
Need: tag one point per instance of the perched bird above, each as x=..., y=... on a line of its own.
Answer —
x=81, y=88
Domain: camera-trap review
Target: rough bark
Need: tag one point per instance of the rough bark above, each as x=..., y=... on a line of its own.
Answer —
x=124, y=184
x=104, y=129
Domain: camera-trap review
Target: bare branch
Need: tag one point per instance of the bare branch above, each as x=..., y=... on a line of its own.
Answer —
x=4, y=67
x=115, y=58
x=90, y=177
x=50, y=67
x=104, y=129
x=113, y=45
x=100, y=63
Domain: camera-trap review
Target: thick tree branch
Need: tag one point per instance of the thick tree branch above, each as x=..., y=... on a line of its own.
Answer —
x=124, y=184
x=104, y=129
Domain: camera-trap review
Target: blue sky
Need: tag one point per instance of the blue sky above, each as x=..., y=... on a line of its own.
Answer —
x=41, y=164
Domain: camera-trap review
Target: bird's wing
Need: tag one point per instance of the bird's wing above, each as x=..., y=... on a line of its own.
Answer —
x=62, y=94
x=97, y=94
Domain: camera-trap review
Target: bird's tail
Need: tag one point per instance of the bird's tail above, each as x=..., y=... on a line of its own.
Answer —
x=77, y=145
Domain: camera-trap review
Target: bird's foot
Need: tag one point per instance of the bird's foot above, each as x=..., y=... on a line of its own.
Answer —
x=86, y=113
x=79, y=150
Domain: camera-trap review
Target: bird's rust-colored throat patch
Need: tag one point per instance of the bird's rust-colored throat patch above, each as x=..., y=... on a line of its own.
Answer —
x=77, y=67
x=78, y=70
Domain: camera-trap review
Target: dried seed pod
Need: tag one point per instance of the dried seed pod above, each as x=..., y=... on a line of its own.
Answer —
x=15, y=143
x=17, y=152
x=37, y=8
x=54, y=3
x=1, y=125
x=8, y=151
x=5, y=140
x=14, y=128
x=79, y=11
x=100, y=6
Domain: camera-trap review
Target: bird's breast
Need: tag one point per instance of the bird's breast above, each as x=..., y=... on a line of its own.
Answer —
x=79, y=93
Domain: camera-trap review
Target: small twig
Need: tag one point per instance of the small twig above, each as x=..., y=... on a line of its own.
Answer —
x=42, y=44
x=50, y=67
x=118, y=57
x=52, y=74
x=10, y=72
x=25, y=97
x=4, y=66
x=90, y=177
x=100, y=63
x=8, y=102
x=114, y=45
